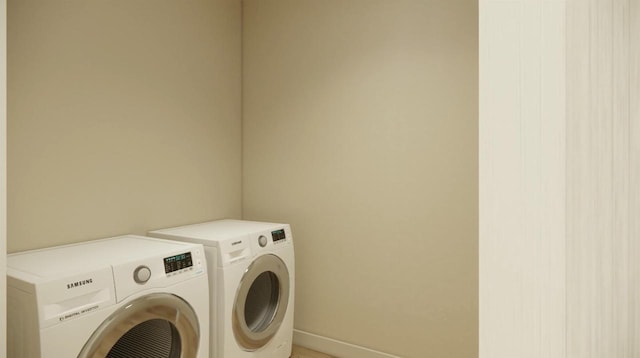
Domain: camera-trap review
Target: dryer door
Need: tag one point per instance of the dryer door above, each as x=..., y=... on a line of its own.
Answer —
x=261, y=302
x=158, y=325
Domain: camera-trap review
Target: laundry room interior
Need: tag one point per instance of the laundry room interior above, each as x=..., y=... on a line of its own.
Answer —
x=353, y=121
x=454, y=178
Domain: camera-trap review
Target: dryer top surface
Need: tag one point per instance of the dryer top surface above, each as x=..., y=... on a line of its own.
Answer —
x=86, y=256
x=213, y=232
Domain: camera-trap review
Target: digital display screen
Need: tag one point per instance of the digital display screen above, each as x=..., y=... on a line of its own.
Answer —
x=177, y=262
x=278, y=235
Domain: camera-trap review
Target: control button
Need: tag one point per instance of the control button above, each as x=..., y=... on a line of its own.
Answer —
x=142, y=274
x=262, y=240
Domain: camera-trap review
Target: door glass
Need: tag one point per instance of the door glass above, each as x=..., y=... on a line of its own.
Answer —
x=262, y=301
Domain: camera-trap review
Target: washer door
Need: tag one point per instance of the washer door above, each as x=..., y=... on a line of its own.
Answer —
x=158, y=325
x=261, y=302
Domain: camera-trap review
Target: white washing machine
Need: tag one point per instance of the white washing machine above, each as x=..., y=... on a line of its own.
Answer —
x=129, y=296
x=251, y=268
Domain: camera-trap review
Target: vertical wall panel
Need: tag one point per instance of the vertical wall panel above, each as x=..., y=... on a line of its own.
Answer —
x=597, y=298
x=621, y=176
x=522, y=166
x=578, y=75
x=551, y=250
x=634, y=187
x=589, y=190
x=602, y=179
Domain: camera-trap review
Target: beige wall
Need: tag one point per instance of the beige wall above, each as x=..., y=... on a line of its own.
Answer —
x=123, y=116
x=360, y=129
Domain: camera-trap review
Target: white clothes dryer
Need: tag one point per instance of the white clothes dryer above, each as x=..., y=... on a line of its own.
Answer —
x=128, y=296
x=251, y=268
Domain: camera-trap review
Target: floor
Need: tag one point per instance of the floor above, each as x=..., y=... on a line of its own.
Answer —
x=301, y=352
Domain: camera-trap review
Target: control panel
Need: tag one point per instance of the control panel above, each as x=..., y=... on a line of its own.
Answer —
x=278, y=235
x=178, y=262
x=158, y=271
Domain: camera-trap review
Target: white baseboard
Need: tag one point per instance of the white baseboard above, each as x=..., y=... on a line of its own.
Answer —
x=334, y=347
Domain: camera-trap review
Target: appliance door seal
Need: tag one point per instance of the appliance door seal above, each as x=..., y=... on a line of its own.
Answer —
x=158, y=324
x=261, y=302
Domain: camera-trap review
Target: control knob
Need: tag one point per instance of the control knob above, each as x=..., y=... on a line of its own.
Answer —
x=142, y=274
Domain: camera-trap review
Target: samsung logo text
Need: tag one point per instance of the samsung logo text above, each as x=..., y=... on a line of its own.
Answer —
x=79, y=283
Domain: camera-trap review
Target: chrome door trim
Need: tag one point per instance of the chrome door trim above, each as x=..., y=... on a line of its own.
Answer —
x=162, y=306
x=247, y=338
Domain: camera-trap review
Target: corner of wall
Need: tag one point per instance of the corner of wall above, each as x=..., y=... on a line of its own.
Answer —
x=3, y=174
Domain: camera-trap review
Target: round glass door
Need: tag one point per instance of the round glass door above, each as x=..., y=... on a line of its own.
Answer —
x=261, y=302
x=158, y=325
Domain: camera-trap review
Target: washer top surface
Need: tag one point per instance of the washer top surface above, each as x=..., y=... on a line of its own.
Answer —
x=50, y=262
x=216, y=231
